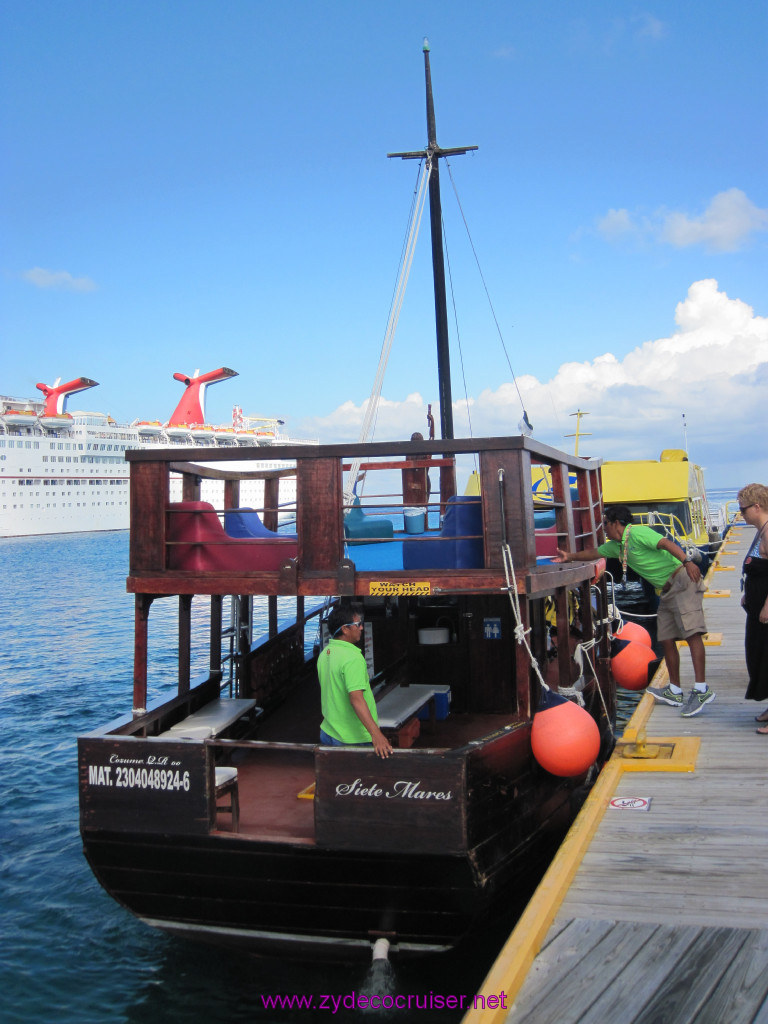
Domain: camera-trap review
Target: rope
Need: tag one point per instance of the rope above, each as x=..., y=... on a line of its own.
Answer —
x=458, y=341
x=394, y=316
x=521, y=633
x=487, y=293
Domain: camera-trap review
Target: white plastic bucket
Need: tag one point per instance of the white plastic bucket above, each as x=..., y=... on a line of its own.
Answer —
x=415, y=519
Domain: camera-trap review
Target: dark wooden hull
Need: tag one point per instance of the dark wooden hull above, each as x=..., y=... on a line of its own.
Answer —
x=283, y=899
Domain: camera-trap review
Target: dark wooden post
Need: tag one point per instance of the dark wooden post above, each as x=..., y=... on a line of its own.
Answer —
x=190, y=487
x=231, y=494
x=149, y=497
x=523, y=667
x=142, y=605
x=214, y=656
x=271, y=517
x=243, y=626
x=300, y=623
x=447, y=484
x=185, y=641
x=518, y=494
x=320, y=524
x=563, y=637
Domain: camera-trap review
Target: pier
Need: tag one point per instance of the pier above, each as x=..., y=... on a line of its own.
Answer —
x=659, y=914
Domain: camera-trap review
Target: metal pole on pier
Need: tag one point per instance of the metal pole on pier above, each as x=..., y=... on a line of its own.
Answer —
x=432, y=153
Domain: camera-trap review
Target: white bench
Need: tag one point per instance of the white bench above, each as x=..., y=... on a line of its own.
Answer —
x=399, y=704
x=211, y=719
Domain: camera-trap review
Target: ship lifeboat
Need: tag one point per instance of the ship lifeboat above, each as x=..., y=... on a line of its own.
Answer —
x=225, y=435
x=58, y=421
x=246, y=437
x=202, y=432
x=20, y=417
x=149, y=428
x=177, y=431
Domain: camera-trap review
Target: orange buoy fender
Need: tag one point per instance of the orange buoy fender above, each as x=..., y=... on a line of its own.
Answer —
x=634, y=631
x=629, y=663
x=565, y=739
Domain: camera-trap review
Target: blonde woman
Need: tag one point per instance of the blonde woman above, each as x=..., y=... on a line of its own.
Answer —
x=753, y=505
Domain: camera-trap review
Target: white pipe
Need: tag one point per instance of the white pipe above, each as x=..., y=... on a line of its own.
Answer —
x=381, y=949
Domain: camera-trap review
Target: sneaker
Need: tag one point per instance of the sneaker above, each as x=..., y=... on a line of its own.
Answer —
x=696, y=701
x=666, y=696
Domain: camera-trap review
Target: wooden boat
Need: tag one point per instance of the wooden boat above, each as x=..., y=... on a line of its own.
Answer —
x=214, y=814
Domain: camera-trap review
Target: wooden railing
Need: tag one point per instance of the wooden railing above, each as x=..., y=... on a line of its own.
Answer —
x=321, y=564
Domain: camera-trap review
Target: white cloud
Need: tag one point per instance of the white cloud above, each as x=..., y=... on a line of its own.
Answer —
x=617, y=224
x=393, y=420
x=60, y=280
x=713, y=369
x=725, y=225
x=649, y=27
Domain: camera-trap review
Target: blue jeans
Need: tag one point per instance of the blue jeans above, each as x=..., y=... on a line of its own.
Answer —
x=330, y=741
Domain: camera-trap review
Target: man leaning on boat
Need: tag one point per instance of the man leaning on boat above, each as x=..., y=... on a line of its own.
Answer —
x=349, y=709
x=678, y=583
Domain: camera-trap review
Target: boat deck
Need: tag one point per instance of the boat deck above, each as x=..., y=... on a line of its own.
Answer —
x=659, y=915
x=275, y=784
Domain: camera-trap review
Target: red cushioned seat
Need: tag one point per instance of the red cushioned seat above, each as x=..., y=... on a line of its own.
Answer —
x=198, y=543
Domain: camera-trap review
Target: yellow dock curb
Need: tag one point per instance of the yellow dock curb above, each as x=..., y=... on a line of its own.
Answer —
x=710, y=640
x=519, y=951
x=516, y=956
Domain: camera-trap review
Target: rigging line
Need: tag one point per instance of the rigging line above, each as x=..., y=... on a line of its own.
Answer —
x=397, y=306
x=403, y=251
x=394, y=317
x=485, y=286
x=458, y=337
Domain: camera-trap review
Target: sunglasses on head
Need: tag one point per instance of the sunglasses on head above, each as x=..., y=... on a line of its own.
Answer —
x=360, y=623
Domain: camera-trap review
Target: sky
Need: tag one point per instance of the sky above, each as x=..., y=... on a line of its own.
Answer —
x=188, y=185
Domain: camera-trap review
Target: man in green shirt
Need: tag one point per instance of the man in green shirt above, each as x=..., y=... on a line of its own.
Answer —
x=349, y=710
x=678, y=583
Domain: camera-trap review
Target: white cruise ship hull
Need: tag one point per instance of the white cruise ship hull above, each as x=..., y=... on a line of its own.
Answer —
x=75, y=479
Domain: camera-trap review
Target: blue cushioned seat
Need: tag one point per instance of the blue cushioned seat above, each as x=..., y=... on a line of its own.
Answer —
x=359, y=526
x=246, y=523
x=463, y=519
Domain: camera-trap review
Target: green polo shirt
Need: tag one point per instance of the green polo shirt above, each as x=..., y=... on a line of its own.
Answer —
x=341, y=669
x=643, y=555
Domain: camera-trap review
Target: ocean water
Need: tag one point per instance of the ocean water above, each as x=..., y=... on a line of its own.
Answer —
x=69, y=953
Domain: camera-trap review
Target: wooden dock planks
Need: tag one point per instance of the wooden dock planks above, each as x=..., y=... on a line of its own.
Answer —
x=666, y=917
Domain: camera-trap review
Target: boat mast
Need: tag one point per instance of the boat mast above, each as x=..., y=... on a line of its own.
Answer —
x=432, y=153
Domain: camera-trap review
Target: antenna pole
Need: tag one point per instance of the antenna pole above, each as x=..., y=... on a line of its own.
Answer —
x=432, y=153
x=579, y=433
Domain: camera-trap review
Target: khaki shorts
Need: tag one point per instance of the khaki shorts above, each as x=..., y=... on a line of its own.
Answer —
x=681, y=611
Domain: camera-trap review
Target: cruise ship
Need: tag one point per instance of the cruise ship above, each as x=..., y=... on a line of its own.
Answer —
x=63, y=472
